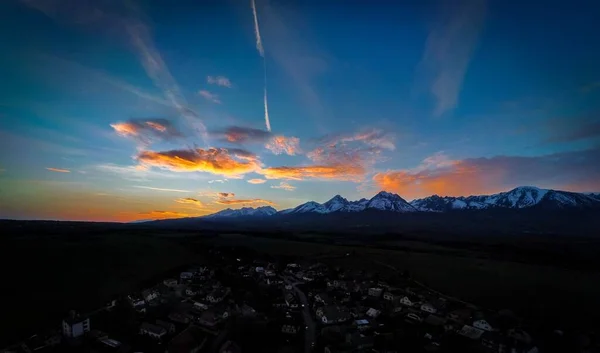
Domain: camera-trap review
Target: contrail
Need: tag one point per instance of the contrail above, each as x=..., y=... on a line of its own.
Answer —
x=259, y=45
x=261, y=51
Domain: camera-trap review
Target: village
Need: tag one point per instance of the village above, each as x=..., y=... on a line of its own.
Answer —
x=239, y=301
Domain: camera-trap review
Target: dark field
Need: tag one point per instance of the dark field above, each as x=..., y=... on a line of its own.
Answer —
x=50, y=268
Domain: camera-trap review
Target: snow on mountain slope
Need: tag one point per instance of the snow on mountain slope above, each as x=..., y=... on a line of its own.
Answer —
x=244, y=211
x=518, y=198
x=386, y=201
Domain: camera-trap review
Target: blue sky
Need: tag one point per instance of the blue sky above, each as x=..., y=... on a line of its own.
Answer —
x=121, y=111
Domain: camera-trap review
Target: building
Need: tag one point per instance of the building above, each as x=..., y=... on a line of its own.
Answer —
x=375, y=292
x=323, y=298
x=170, y=282
x=333, y=314
x=154, y=331
x=290, y=329
x=191, y=340
x=150, y=295
x=483, y=325
x=217, y=295
x=372, y=312
x=229, y=347
x=166, y=325
x=407, y=301
x=191, y=292
x=428, y=308
x=75, y=325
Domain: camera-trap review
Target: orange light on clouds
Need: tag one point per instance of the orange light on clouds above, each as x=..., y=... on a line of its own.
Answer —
x=58, y=170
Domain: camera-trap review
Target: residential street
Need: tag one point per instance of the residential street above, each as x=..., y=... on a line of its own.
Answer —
x=310, y=333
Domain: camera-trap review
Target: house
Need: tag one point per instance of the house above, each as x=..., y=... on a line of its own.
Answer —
x=389, y=296
x=179, y=317
x=428, y=308
x=191, y=340
x=191, y=292
x=150, y=295
x=413, y=318
x=323, y=298
x=217, y=295
x=460, y=315
x=338, y=283
x=471, y=332
x=229, y=347
x=372, y=312
x=333, y=314
x=483, y=325
x=170, y=282
x=375, y=292
x=200, y=306
x=494, y=341
x=407, y=301
x=213, y=317
x=362, y=324
x=359, y=342
x=259, y=269
x=270, y=273
x=290, y=329
x=291, y=301
x=154, y=331
x=186, y=276
x=75, y=325
x=166, y=325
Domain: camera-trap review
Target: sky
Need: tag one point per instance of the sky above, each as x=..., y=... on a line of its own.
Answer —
x=129, y=110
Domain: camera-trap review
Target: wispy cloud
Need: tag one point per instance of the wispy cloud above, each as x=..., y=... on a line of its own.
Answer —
x=220, y=161
x=58, y=170
x=190, y=201
x=438, y=174
x=163, y=214
x=221, y=181
x=125, y=18
x=245, y=202
x=259, y=45
x=277, y=144
x=281, y=144
x=147, y=130
x=225, y=194
x=242, y=135
x=257, y=181
x=261, y=51
x=219, y=81
x=284, y=186
x=210, y=96
x=159, y=189
x=448, y=51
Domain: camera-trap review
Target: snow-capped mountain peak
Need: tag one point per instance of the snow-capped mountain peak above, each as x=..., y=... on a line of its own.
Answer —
x=263, y=211
x=386, y=201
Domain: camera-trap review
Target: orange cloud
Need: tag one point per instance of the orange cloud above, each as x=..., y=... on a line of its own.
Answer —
x=146, y=130
x=282, y=144
x=348, y=172
x=189, y=200
x=226, y=194
x=241, y=134
x=58, y=170
x=257, y=181
x=284, y=186
x=220, y=161
x=163, y=214
x=576, y=171
x=245, y=202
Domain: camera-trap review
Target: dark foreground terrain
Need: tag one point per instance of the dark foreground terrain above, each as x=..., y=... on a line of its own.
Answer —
x=50, y=268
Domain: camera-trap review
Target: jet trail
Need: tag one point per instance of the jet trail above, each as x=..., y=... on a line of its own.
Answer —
x=261, y=51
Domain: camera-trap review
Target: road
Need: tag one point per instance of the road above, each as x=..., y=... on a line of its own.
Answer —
x=310, y=325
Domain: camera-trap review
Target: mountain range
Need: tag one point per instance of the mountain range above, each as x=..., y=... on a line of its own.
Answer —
x=525, y=197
